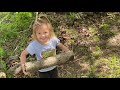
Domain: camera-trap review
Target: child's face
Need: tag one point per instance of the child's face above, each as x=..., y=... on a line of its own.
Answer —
x=43, y=34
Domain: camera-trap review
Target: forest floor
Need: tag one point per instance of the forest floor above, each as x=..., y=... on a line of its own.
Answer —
x=104, y=60
x=96, y=46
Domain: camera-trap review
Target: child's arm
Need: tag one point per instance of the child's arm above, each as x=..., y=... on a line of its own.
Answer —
x=23, y=60
x=63, y=47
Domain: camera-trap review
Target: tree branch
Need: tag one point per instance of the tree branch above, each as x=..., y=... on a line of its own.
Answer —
x=50, y=61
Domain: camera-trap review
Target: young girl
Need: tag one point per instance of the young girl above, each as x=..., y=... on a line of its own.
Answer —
x=44, y=42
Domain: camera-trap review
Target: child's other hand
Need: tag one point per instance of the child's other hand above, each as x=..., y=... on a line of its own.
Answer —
x=24, y=69
x=26, y=73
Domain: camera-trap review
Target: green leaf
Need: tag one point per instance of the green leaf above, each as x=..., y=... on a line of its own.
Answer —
x=2, y=52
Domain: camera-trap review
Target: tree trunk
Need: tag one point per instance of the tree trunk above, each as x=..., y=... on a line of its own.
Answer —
x=50, y=61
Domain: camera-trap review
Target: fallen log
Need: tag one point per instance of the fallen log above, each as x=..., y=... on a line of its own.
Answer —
x=50, y=61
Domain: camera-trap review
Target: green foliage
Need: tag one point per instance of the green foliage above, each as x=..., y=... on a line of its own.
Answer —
x=23, y=20
x=92, y=72
x=72, y=33
x=12, y=26
x=3, y=65
x=107, y=68
x=114, y=67
x=96, y=38
x=105, y=27
x=2, y=52
x=97, y=53
x=5, y=69
x=93, y=30
x=13, y=22
x=71, y=16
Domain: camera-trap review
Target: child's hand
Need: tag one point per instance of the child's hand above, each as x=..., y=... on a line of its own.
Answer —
x=26, y=73
x=24, y=70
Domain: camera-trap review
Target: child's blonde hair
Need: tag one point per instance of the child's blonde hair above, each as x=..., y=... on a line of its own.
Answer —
x=39, y=22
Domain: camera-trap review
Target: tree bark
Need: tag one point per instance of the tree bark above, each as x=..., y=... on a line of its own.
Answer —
x=50, y=61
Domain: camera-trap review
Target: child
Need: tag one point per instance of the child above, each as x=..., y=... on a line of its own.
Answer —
x=44, y=41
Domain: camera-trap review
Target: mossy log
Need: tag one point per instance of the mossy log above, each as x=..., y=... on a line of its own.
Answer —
x=50, y=61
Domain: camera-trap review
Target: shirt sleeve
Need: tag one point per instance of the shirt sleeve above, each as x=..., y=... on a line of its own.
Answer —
x=31, y=49
x=56, y=41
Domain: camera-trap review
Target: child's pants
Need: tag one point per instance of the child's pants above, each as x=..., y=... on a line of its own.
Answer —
x=49, y=74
